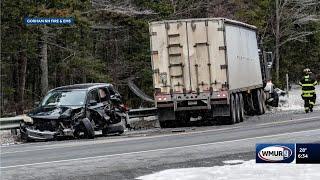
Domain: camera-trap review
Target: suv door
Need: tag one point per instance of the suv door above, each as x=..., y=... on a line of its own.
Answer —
x=92, y=97
x=95, y=111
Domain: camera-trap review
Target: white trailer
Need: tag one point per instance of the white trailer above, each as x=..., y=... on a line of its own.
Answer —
x=205, y=67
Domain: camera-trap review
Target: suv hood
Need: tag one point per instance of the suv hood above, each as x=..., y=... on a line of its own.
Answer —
x=53, y=112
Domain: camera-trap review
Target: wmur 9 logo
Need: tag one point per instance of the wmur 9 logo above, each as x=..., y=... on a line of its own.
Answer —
x=275, y=153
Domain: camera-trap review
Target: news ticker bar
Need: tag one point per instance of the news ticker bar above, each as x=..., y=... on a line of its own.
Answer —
x=287, y=153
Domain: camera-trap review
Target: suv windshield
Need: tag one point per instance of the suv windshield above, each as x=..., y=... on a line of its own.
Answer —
x=65, y=98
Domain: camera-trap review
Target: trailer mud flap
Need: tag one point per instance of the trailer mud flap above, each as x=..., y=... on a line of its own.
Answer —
x=220, y=110
x=166, y=114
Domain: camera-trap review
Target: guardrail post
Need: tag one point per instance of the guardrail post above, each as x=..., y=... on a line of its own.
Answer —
x=287, y=83
x=14, y=131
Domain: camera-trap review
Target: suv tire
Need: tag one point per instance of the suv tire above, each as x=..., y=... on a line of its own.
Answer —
x=88, y=129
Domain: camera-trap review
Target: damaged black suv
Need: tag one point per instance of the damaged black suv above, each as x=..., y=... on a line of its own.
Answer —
x=77, y=111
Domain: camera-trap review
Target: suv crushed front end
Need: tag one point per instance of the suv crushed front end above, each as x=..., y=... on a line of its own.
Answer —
x=51, y=123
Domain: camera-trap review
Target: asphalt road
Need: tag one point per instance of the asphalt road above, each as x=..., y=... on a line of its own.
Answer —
x=145, y=152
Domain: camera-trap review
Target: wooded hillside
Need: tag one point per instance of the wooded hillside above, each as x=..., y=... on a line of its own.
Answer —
x=109, y=41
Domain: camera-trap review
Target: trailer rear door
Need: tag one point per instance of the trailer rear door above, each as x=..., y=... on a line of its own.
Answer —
x=187, y=55
x=207, y=55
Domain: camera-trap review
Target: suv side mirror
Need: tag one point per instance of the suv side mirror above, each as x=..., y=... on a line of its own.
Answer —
x=118, y=95
x=93, y=102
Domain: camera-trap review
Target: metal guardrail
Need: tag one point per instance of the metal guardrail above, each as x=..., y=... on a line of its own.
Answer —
x=10, y=122
x=145, y=112
x=138, y=91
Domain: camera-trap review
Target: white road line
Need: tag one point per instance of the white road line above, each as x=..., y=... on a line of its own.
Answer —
x=155, y=150
x=56, y=146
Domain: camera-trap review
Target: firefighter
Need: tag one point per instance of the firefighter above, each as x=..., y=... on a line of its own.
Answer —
x=308, y=90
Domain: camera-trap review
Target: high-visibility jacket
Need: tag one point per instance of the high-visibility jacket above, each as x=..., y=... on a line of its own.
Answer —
x=308, y=86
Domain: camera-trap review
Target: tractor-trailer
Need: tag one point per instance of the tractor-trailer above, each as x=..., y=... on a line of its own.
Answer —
x=204, y=68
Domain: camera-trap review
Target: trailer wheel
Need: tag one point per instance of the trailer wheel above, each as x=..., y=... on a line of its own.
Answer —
x=241, y=107
x=258, y=102
x=237, y=108
x=233, y=116
x=263, y=101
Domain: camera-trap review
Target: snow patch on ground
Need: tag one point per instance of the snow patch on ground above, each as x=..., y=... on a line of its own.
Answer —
x=233, y=162
x=294, y=102
x=248, y=170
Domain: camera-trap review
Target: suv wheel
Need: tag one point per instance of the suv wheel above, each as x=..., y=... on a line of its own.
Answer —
x=87, y=128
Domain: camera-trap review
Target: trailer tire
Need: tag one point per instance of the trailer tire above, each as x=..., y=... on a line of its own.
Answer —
x=237, y=108
x=241, y=107
x=263, y=101
x=233, y=116
x=258, y=102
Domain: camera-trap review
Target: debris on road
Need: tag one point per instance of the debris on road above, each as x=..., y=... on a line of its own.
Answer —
x=178, y=130
x=8, y=138
x=144, y=123
x=294, y=102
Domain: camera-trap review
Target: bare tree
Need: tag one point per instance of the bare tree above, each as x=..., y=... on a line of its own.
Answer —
x=20, y=73
x=202, y=8
x=125, y=7
x=186, y=7
x=44, y=60
x=291, y=17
